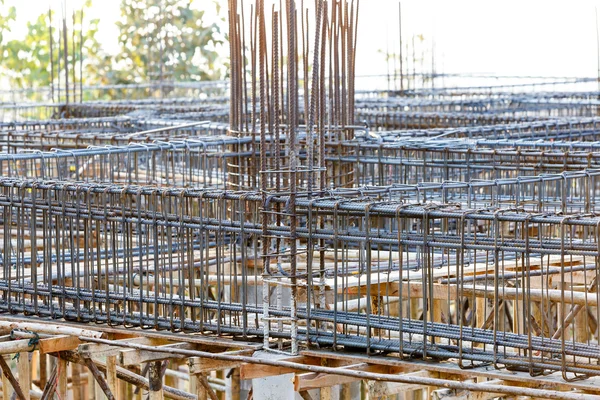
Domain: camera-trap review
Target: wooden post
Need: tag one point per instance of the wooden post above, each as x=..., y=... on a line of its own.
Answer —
x=346, y=393
x=50, y=384
x=364, y=389
x=155, y=381
x=43, y=369
x=196, y=386
x=581, y=326
x=326, y=392
x=136, y=394
x=62, y=378
x=123, y=386
x=24, y=375
x=10, y=384
x=35, y=361
x=220, y=375
x=480, y=311
x=563, y=311
x=6, y=388
x=169, y=380
x=111, y=374
x=99, y=378
x=235, y=384
x=78, y=393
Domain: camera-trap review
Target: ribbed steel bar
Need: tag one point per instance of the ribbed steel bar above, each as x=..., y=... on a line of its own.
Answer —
x=386, y=241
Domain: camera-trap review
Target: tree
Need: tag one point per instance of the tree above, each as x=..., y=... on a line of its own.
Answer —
x=27, y=61
x=167, y=40
x=5, y=19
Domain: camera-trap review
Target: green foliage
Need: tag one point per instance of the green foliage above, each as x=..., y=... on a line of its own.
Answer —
x=167, y=40
x=5, y=19
x=27, y=62
x=160, y=39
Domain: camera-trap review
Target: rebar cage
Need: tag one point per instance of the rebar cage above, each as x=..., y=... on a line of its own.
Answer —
x=455, y=224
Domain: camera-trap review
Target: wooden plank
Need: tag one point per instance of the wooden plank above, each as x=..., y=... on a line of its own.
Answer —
x=58, y=343
x=136, y=357
x=202, y=365
x=449, y=394
x=379, y=389
x=313, y=380
x=253, y=371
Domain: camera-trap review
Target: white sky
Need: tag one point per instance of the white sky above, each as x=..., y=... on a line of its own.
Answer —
x=507, y=37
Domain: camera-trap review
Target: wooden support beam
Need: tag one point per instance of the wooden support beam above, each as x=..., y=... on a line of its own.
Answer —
x=325, y=392
x=305, y=395
x=209, y=391
x=62, y=373
x=131, y=377
x=199, y=364
x=254, y=371
x=155, y=384
x=10, y=378
x=43, y=369
x=111, y=373
x=378, y=389
x=235, y=384
x=24, y=368
x=6, y=387
x=346, y=392
x=314, y=380
x=78, y=392
x=144, y=373
x=98, y=377
x=50, y=386
x=449, y=394
x=450, y=370
x=197, y=387
x=58, y=343
x=137, y=357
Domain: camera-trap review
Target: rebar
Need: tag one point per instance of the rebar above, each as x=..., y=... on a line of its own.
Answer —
x=455, y=224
